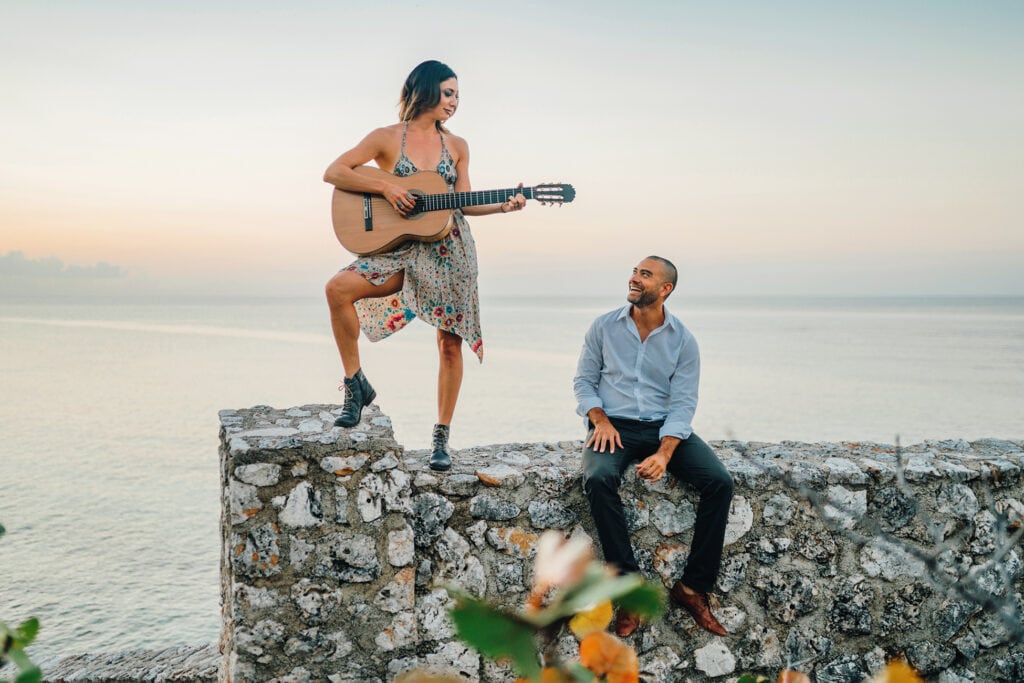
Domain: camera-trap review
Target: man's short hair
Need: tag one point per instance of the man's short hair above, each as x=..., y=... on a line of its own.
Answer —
x=671, y=274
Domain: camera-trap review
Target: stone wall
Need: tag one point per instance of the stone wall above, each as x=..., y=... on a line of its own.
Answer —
x=337, y=545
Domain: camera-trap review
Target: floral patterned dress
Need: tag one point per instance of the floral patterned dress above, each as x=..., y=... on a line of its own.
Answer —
x=440, y=277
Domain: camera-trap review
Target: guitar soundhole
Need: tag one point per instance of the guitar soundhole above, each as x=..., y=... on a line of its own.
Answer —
x=417, y=211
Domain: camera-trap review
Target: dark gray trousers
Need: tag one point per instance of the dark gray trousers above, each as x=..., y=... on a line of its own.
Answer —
x=693, y=463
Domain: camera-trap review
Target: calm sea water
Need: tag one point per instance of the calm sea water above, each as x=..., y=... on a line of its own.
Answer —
x=108, y=418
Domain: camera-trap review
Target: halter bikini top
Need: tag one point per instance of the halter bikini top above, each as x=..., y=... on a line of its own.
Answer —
x=445, y=167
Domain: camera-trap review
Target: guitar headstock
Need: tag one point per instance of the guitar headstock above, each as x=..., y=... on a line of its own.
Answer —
x=554, y=193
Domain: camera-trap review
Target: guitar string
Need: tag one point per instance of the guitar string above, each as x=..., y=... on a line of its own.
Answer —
x=452, y=200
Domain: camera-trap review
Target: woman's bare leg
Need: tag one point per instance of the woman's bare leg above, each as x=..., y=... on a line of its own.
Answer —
x=343, y=290
x=449, y=375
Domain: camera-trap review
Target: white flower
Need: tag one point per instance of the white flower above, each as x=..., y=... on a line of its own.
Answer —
x=560, y=561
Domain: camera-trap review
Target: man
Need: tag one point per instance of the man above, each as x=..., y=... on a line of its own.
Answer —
x=636, y=383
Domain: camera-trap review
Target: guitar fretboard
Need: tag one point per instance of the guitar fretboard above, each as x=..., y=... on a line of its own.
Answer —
x=455, y=200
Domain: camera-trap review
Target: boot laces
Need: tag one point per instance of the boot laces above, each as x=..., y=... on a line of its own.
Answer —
x=440, y=439
x=348, y=394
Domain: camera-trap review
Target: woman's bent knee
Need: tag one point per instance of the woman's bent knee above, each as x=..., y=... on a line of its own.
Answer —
x=335, y=289
x=346, y=287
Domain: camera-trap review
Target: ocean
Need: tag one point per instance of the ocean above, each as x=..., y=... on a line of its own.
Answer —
x=108, y=418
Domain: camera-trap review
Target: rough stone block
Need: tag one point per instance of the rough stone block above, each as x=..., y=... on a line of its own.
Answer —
x=715, y=659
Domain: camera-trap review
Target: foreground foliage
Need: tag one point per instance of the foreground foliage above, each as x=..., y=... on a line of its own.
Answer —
x=571, y=590
x=13, y=642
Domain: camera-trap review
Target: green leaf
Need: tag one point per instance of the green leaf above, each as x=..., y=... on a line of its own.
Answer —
x=2, y=530
x=496, y=634
x=647, y=600
x=20, y=659
x=581, y=673
x=594, y=574
x=27, y=631
x=568, y=603
x=630, y=590
x=751, y=678
x=33, y=675
x=607, y=589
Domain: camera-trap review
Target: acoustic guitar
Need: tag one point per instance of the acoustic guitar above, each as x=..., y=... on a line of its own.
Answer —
x=367, y=224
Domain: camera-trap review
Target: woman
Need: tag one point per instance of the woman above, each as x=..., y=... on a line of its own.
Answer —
x=434, y=280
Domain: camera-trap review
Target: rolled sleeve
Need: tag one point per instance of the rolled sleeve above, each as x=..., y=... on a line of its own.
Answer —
x=588, y=373
x=683, y=392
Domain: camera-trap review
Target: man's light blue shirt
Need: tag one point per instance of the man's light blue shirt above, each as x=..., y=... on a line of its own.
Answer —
x=651, y=380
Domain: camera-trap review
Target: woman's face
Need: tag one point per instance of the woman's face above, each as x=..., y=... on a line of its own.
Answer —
x=449, y=102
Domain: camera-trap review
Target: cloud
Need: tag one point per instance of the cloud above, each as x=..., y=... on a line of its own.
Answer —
x=23, y=276
x=15, y=265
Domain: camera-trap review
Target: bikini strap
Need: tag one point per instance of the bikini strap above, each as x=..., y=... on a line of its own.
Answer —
x=444, y=147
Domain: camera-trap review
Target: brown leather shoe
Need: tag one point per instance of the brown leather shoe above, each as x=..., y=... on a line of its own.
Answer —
x=625, y=623
x=699, y=608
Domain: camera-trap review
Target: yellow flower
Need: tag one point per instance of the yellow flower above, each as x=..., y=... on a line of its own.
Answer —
x=897, y=671
x=591, y=621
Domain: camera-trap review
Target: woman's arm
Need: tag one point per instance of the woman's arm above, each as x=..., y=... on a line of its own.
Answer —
x=462, y=184
x=370, y=148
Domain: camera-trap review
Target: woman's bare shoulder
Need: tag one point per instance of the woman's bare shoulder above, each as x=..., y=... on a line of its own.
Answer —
x=458, y=143
x=385, y=133
x=379, y=140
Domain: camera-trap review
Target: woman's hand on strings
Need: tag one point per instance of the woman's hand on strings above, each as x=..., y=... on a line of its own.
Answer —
x=515, y=203
x=399, y=198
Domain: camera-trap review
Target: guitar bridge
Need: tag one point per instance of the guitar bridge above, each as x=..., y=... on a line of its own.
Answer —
x=367, y=213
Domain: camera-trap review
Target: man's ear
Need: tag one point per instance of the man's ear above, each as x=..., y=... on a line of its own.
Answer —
x=665, y=292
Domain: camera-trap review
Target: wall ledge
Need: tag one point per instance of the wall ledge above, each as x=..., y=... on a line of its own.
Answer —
x=337, y=544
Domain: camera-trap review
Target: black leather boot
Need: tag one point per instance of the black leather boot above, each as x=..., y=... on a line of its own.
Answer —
x=441, y=459
x=358, y=395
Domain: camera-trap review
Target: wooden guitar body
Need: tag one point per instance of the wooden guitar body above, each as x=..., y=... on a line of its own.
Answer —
x=367, y=224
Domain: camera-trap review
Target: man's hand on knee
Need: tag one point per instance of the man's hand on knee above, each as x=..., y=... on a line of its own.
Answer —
x=652, y=468
x=605, y=435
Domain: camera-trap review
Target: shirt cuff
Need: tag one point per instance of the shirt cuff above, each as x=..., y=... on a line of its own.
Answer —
x=680, y=430
x=586, y=405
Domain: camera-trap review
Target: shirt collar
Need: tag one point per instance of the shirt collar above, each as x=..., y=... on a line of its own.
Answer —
x=670, y=320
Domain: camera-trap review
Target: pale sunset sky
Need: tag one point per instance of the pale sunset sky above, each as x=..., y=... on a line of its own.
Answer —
x=834, y=148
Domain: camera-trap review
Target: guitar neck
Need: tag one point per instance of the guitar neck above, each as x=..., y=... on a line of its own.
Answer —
x=457, y=200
